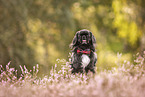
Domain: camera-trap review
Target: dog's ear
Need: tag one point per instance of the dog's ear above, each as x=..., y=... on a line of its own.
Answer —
x=75, y=40
x=92, y=41
x=92, y=38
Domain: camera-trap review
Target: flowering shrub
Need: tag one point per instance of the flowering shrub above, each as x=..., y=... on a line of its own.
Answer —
x=125, y=81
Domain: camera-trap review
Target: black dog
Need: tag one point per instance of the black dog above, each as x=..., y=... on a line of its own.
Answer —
x=83, y=57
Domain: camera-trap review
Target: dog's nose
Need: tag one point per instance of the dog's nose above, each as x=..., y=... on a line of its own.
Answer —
x=84, y=37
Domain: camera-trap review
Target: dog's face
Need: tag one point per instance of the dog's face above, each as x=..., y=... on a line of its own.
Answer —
x=83, y=37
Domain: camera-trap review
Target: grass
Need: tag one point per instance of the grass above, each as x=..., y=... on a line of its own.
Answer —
x=128, y=80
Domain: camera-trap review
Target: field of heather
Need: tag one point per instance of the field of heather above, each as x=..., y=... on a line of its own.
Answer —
x=128, y=80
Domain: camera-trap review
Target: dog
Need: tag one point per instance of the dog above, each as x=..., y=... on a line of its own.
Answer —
x=83, y=57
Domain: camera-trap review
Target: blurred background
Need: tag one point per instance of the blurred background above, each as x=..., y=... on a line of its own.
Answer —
x=40, y=31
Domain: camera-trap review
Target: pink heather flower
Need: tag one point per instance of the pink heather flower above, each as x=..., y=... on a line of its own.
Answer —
x=37, y=68
x=25, y=68
x=8, y=79
x=33, y=68
x=30, y=70
x=1, y=75
x=3, y=81
x=55, y=65
x=11, y=69
x=139, y=57
x=26, y=71
x=20, y=78
x=22, y=69
x=1, y=66
x=14, y=78
x=16, y=72
x=125, y=61
x=7, y=67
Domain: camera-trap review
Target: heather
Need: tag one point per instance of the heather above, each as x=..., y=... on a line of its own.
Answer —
x=125, y=80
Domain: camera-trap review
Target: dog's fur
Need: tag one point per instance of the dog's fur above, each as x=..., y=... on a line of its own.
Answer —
x=84, y=39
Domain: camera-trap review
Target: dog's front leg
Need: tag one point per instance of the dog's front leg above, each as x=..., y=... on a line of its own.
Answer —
x=92, y=64
x=76, y=63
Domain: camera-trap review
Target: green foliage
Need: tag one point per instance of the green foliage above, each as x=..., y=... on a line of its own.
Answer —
x=40, y=31
x=126, y=26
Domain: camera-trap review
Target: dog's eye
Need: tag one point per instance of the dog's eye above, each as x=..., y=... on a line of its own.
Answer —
x=87, y=36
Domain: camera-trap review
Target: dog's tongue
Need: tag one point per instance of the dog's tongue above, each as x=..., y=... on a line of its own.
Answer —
x=84, y=42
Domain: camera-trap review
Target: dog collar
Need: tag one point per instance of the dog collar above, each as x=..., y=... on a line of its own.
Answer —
x=86, y=51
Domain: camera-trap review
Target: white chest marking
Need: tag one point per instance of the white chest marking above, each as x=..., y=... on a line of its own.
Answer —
x=85, y=60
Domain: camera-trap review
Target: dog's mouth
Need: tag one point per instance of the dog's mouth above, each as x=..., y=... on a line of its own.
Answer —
x=84, y=41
